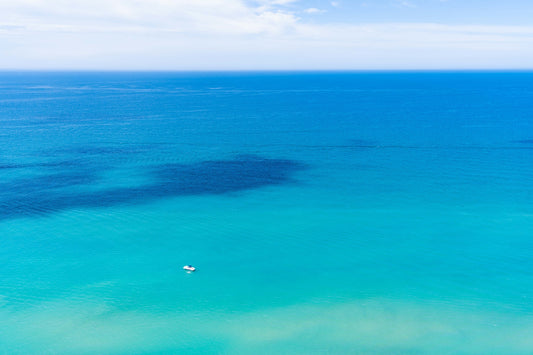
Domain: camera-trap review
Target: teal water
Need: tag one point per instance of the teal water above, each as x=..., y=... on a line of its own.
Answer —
x=342, y=213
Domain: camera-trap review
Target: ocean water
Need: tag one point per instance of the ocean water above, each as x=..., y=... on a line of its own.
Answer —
x=326, y=213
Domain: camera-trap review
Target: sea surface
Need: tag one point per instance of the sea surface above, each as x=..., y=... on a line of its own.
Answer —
x=326, y=213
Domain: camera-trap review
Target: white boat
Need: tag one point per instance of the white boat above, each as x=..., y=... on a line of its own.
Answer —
x=189, y=268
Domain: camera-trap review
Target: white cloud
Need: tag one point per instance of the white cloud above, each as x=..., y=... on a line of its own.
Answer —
x=314, y=10
x=227, y=16
x=233, y=34
x=277, y=2
x=406, y=4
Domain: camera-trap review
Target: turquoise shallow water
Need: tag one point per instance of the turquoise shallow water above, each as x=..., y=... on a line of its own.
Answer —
x=343, y=213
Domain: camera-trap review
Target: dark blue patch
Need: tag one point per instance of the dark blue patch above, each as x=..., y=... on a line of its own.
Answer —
x=525, y=141
x=48, y=182
x=362, y=144
x=95, y=150
x=68, y=189
x=61, y=164
x=223, y=176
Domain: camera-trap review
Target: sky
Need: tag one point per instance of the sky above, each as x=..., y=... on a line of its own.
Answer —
x=266, y=34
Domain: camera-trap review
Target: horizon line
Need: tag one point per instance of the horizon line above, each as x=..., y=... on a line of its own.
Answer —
x=89, y=70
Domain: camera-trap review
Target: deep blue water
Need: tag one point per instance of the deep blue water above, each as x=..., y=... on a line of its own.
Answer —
x=345, y=213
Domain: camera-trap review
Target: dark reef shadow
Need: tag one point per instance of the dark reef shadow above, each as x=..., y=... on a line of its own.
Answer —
x=69, y=186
